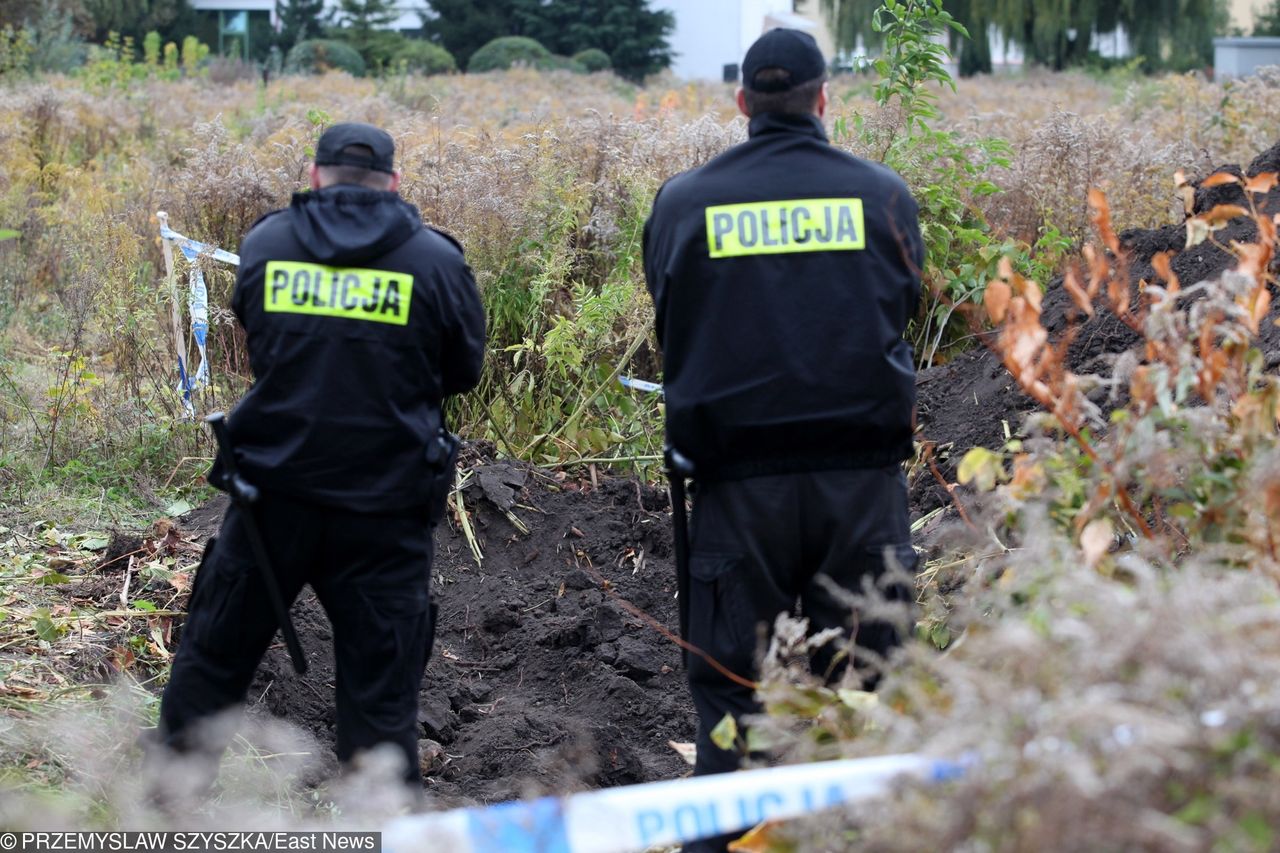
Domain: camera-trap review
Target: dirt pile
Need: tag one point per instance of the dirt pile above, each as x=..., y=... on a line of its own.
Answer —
x=972, y=400
x=540, y=680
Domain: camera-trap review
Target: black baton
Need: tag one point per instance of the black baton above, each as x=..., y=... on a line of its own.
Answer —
x=244, y=495
x=679, y=469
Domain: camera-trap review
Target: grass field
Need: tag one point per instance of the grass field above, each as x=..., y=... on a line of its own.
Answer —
x=1121, y=698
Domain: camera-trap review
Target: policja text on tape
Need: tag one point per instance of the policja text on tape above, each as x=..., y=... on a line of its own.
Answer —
x=635, y=817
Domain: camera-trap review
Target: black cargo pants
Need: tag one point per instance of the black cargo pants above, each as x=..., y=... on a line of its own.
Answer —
x=372, y=575
x=758, y=547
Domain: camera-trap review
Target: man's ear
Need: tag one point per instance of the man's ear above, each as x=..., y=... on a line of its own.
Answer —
x=823, y=94
x=742, y=101
x=315, y=176
x=395, y=181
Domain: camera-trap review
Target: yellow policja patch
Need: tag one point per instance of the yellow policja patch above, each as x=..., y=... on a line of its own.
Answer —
x=378, y=296
x=780, y=227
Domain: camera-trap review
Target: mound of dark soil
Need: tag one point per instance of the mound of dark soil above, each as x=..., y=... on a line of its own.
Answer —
x=973, y=401
x=540, y=680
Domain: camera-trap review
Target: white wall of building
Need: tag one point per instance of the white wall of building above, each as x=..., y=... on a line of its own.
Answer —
x=710, y=34
x=707, y=36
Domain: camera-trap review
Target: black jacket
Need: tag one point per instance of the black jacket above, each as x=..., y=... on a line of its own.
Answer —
x=783, y=273
x=360, y=322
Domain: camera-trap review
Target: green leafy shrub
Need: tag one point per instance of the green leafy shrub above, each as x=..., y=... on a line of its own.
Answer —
x=593, y=59
x=194, y=52
x=424, y=57
x=15, y=51
x=502, y=53
x=947, y=172
x=315, y=56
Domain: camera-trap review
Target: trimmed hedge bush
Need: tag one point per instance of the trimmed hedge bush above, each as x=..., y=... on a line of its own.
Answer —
x=502, y=53
x=593, y=59
x=424, y=57
x=315, y=56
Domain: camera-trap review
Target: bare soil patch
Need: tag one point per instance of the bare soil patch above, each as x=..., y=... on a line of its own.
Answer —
x=540, y=679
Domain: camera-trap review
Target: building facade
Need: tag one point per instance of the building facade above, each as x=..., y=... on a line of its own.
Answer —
x=711, y=36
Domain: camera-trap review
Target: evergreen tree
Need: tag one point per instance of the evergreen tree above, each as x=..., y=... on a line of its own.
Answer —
x=464, y=26
x=299, y=20
x=363, y=25
x=633, y=35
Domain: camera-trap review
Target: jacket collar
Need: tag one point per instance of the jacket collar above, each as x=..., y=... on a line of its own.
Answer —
x=809, y=125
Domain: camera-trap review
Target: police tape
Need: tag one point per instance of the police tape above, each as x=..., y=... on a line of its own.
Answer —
x=657, y=814
x=197, y=305
x=192, y=249
x=643, y=385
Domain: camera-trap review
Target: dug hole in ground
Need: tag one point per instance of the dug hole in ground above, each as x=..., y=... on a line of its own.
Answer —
x=540, y=681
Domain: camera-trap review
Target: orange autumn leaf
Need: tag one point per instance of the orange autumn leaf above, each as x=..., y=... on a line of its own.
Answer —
x=1021, y=341
x=1254, y=258
x=1161, y=263
x=996, y=301
x=1256, y=306
x=1102, y=219
x=1118, y=293
x=1263, y=183
x=1218, y=179
x=1077, y=293
x=1222, y=214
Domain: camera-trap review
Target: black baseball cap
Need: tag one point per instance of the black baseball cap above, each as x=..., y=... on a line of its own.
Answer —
x=329, y=150
x=794, y=51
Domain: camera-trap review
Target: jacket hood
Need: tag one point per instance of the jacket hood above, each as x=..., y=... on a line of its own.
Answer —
x=345, y=224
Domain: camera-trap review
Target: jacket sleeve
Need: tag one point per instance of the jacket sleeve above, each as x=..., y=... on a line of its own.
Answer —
x=654, y=261
x=462, y=326
x=907, y=214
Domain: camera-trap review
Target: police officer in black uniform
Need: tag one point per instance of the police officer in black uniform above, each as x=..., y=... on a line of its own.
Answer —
x=360, y=321
x=783, y=273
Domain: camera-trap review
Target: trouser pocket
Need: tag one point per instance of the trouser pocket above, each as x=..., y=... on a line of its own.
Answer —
x=722, y=621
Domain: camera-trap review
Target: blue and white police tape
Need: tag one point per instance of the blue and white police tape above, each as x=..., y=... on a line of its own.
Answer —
x=197, y=305
x=657, y=814
x=643, y=385
x=192, y=249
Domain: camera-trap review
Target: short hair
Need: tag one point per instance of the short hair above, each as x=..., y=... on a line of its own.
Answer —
x=357, y=175
x=798, y=100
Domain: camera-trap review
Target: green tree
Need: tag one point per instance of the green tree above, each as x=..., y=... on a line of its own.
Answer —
x=464, y=26
x=363, y=25
x=299, y=20
x=1176, y=34
x=1267, y=21
x=172, y=19
x=1059, y=33
x=850, y=23
x=633, y=35
x=974, y=53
